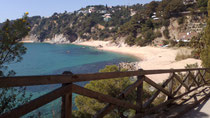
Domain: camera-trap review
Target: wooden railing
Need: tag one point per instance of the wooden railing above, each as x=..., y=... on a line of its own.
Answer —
x=68, y=87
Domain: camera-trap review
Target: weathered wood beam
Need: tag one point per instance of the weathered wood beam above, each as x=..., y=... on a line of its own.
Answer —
x=202, y=75
x=164, y=104
x=108, y=108
x=151, y=99
x=194, y=79
x=66, y=107
x=139, y=93
x=104, y=98
x=170, y=86
x=188, y=92
x=179, y=79
x=179, y=87
x=149, y=81
x=36, y=103
x=59, y=79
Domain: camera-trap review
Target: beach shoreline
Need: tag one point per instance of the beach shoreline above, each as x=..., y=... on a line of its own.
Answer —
x=150, y=58
x=27, y=41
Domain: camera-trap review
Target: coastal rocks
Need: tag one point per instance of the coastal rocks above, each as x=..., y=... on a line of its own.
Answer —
x=79, y=40
x=99, y=46
x=120, y=42
x=129, y=66
x=57, y=39
x=30, y=39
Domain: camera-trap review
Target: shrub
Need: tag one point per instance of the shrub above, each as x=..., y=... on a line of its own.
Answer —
x=166, y=33
x=130, y=40
x=165, y=42
x=166, y=22
x=182, y=44
x=172, y=43
x=87, y=107
x=158, y=34
x=140, y=41
x=195, y=54
x=180, y=20
x=183, y=54
x=149, y=35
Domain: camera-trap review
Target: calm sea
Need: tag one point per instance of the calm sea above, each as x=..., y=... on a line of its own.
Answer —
x=45, y=59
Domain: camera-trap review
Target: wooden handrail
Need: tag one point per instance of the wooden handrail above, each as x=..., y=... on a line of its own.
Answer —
x=36, y=103
x=68, y=87
x=59, y=79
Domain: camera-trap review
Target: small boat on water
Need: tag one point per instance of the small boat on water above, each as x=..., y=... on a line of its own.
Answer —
x=68, y=51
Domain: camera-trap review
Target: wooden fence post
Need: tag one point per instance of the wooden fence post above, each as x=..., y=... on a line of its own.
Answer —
x=66, y=107
x=170, y=85
x=203, y=76
x=187, y=82
x=197, y=77
x=139, y=100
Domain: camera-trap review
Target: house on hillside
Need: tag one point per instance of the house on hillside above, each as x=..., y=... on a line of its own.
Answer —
x=196, y=26
x=91, y=10
x=82, y=11
x=103, y=11
x=188, y=2
x=186, y=36
x=132, y=12
x=107, y=17
x=154, y=17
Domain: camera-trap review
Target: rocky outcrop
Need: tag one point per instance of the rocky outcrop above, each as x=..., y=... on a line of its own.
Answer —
x=30, y=38
x=58, y=39
x=129, y=66
x=79, y=40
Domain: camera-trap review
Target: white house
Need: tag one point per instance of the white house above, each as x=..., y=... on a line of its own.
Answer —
x=91, y=10
x=188, y=2
x=107, y=17
x=154, y=17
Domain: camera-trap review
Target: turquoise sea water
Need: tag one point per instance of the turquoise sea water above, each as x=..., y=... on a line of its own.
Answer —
x=45, y=59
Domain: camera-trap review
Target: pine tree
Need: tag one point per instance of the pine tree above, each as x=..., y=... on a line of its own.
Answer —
x=87, y=107
x=11, y=50
x=205, y=54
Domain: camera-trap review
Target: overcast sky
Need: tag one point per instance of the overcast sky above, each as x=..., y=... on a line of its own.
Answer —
x=13, y=9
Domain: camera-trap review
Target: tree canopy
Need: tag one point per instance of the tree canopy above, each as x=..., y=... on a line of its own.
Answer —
x=11, y=50
x=111, y=87
x=87, y=107
x=205, y=54
x=10, y=35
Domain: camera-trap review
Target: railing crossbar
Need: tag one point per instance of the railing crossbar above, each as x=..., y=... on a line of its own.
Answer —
x=179, y=87
x=61, y=79
x=36, y=103
x=68, y=88
x=124, y=94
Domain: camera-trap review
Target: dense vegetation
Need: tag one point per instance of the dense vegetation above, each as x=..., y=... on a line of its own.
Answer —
x=81, y=23
x=139, y=24
x=205, y=53
x=143, y=23
x=87, y=107
x=11, y=51
x=200, y=44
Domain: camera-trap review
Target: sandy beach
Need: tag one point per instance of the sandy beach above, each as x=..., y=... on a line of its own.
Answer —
x=27, y=41
x=150, y=57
